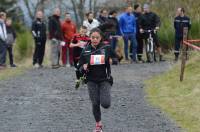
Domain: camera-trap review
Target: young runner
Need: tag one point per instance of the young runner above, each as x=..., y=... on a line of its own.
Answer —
x=95, y=62
x=79, y=41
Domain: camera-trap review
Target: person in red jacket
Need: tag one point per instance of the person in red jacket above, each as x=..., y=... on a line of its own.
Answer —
x=68, y=29
x=79, y=41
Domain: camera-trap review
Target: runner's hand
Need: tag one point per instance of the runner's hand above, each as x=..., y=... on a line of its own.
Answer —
x=62, y=43
x=141, y=30
x=157, y=28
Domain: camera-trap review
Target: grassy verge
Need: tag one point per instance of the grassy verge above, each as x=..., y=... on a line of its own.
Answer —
x=22, y=55
x=10, y=72
x=25, y=62
x=181, y=100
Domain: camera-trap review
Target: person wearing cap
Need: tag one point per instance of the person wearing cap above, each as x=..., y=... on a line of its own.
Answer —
x=150, y=21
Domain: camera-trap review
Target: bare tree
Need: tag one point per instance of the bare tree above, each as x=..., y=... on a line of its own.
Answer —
x=79, y=10
x=78, y=7
x=29, y=9
x=34, y=7
x=90, y=5
x=75, y=11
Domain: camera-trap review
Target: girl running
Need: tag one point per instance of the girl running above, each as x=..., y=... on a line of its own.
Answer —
x=95, y=62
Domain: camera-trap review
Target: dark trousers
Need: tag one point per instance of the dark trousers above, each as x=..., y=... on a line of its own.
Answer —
x=139, y=46
x=2, y=52
x=133, y=45
x=10, y=53
x=39, y=52
x=114, y=43
x=178, y=41
x=78, y=73
x=99, y=95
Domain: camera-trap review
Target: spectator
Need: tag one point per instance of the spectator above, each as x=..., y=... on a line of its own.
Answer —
x=56, y=37
x=114, y=29
x=39, y=34
x=3, y=37
x=103, y=16
x=127, y=22
x=11, y=37
x=150, y=21
x=110, y=28
x=68, y=29
x=180, y=21
x=90, y=22
x=137, y=13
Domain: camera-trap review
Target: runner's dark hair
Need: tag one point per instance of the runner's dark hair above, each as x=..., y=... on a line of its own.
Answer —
x=96, y=30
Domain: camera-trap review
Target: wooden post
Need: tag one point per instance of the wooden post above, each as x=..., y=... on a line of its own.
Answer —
x=184, y=54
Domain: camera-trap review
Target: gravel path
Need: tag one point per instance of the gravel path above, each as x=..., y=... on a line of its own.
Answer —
x=44, y=100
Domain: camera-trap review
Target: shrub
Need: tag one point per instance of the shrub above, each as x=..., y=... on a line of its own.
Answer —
x=24, y=46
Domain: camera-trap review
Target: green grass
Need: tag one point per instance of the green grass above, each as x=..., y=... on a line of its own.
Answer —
x=22, y=54
x=10, y=72
x=181, y=100
x=19, y=70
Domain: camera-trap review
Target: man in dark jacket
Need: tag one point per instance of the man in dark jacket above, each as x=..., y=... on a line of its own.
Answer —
x=180, y=22
x=137, y=13
x=56, y=37
x=150, y=21
x=110, y=28
x=103, y=16
x=39, y=34
x=114, y=28
x=104, y=23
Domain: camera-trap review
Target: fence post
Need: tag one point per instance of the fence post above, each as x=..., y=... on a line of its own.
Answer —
x=184, y=54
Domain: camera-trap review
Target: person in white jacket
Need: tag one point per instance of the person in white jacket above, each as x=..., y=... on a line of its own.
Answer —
x=90, y=22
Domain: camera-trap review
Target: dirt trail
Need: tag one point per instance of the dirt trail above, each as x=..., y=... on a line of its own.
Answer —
x=44, y=100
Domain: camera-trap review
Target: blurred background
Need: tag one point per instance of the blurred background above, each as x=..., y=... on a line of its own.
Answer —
x=23, y=13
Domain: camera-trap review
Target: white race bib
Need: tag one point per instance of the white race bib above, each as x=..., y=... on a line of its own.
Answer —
x=97, y=59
